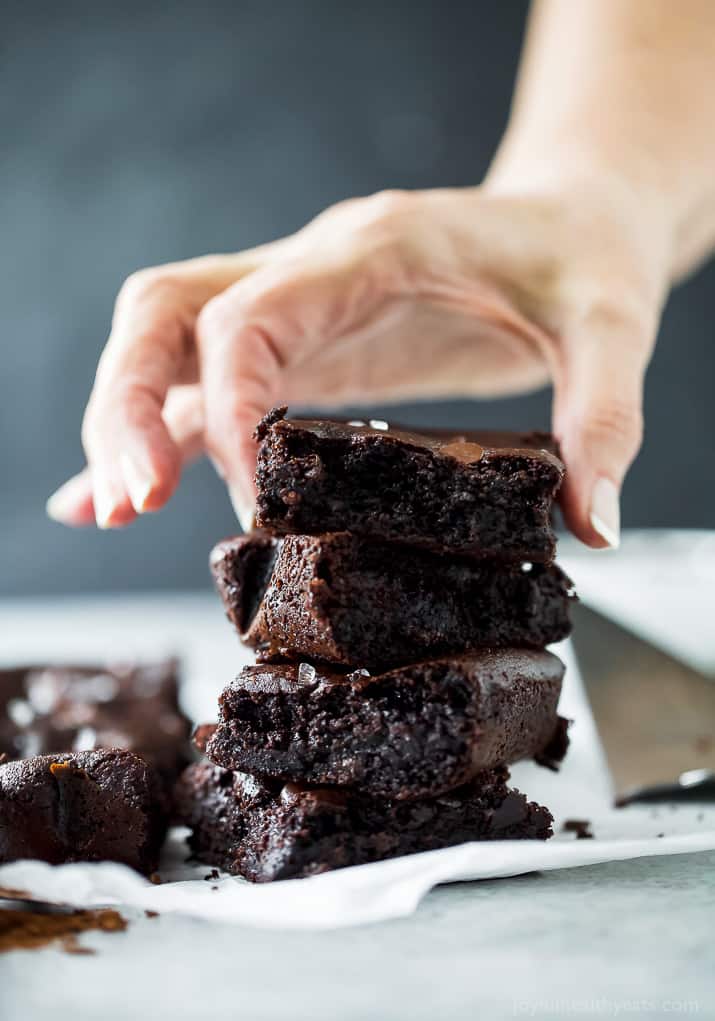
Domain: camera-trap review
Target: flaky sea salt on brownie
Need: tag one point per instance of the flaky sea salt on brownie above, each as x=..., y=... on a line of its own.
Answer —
x=265, y=831
x=88, y=806
x=58, y=708
x=342, y=599
x=413, y=732
x=482, y=494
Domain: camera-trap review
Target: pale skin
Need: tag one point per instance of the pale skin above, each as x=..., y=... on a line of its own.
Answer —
x=555, y=269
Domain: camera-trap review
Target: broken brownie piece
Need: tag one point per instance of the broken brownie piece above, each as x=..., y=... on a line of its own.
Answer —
x=47, y=709
x=89, y=806
x=482, y=494
x=341, y=599
x=265, y=831
x=413, y=732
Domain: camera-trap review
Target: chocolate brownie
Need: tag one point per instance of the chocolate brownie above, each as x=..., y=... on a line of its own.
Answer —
x=265, y=831
x=413, y=732
x=78, y=708
x=88, y=806
x=482, y=494
x=341, y=599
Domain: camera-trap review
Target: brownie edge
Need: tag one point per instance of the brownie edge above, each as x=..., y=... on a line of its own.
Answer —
x=412, y=732
x=106, y=805
x=265, y=831
x=337, y=598
x=479, y=494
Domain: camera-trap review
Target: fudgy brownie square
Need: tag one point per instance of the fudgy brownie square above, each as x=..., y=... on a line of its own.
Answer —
x=104, y=805
x=265, y=831
x=341, y=599
x=48, y=709
x=413, y=732
x=482, y=494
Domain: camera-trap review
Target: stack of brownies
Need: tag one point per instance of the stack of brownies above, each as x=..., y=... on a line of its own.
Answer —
x=399, y=592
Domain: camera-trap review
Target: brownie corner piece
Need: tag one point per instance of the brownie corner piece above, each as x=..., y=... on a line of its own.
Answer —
x=476, y=493
x=266, y=831
x=105, y=805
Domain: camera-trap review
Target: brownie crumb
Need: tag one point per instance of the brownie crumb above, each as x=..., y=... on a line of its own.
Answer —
x=581, y=827
x=151, y=914
x=26, y=930
x=155, y=878
x=212, y=875
x=273, y=416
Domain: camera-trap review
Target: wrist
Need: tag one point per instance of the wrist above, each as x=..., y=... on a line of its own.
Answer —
x=581, y=174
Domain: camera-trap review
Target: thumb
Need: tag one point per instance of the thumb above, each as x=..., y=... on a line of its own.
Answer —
x=598, y=419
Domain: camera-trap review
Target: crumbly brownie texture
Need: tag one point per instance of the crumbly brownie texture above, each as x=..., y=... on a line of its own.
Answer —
x=265, y=831
x=340, y=599
x=413, y=732
x=89, y=806
x=79, y=708
x=482, y=494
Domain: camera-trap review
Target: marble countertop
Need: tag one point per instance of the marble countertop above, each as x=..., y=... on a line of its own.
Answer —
x=618, y=939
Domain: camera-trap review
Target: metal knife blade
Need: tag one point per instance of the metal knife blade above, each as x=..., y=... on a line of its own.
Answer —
x=655, y=715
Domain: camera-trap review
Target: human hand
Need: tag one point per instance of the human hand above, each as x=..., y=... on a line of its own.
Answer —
x=479, y=291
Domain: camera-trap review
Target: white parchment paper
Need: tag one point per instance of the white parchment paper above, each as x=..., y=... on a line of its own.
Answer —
x=367, y=893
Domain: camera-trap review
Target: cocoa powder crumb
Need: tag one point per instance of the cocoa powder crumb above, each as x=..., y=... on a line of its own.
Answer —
x=27, y=930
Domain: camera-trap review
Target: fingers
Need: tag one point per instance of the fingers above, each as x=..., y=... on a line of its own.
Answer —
x=248, y=337
x=73, y=503
x=134, y=462
x=599, y=422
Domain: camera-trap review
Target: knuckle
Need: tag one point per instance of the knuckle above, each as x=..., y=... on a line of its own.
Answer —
x=222, y=319
x=387, y=210
x=389, y=201
x=147, y=285
x=624, y=313
x=212, y=318
x=616, y=422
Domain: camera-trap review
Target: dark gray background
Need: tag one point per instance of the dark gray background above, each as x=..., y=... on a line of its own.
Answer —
x=138, y=133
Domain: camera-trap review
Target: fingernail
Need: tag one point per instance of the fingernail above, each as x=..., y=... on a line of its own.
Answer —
x=104, y=505
x=140, y=483
x=243, y=507
x=61, y=504
x=605, y=513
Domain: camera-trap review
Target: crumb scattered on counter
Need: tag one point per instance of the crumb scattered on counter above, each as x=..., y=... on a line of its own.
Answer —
x=581, y=827
x=26, y=930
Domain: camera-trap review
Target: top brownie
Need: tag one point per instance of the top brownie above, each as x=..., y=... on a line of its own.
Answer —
x=483, y=494
x=52, y=709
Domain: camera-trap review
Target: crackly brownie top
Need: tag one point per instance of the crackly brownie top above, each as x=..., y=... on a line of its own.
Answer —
x=45, y=709
x=297, y=678
x=467, y=447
